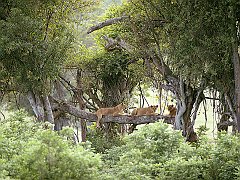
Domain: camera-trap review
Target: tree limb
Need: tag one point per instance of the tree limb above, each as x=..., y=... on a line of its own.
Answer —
x=107, y=23
x=91, y=117
x=116, y=43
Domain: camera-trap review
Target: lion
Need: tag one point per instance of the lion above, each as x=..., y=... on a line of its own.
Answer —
x=117, y=110
x=172, y=111
x=144, y=111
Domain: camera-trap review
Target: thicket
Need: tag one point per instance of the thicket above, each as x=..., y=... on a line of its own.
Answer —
x=30, y=150
x=158, y=152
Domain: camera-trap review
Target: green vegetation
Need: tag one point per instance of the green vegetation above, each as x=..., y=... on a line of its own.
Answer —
x=30, y=151
x=62, y=59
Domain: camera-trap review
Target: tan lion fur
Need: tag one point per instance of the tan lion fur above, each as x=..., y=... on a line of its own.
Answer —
x=117, y=110
x=172, y=111
x=145, y=111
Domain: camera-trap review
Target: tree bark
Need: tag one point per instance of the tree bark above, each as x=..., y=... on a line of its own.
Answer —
x=37, y=105
x=236, y=65
x=235, y=59
x=234, y=115
x=82, y=105
x=179, y=122
x=107, y=23
x=48, y=108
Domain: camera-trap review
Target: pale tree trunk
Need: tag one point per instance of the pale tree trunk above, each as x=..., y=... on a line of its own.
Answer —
x=48, y=107
x=82, y=105
x=32, y=102
x=185, y=95
x=37, y=105
x=179, y=122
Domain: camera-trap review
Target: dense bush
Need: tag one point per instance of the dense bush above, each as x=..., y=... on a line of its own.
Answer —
x=27, y=151
x=145, y=150
x=157, y=152
x=100, y=141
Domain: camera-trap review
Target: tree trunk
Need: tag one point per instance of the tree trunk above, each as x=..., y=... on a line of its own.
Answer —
x=236, y=65
x=48, y=108
x=82, y=105
x=190, y=101
x=37, y=105
x=234, y=115
x=60, y=118
x=179, y=122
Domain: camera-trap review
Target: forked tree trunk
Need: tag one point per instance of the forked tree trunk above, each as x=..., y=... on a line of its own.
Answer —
x=181, y=106
x=186, y=101
x=38, y=104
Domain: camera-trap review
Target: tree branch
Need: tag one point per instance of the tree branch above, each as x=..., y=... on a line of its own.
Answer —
x=121, y=119
x=106, y=23
x=116, y=43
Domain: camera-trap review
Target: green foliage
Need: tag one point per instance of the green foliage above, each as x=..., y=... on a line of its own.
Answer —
x=157, y=152
x=189, y=162
x=101, y=141
x=112, y=75
x=27, y=151
x=226, y=157
x=145, y=150
x=51, y=158
x=211, y=160
x=193, y=37
x=35, y=39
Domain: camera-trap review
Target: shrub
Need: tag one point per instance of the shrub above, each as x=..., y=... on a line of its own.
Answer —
x=50, y=157
x=100, y=141
x=225, y=161
x=145, y=150
x=27, y=151
x=218, y=159
x=157, y=152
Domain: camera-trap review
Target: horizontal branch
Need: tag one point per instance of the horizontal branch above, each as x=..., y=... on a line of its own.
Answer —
x=106, y=23
x=121, y=119
x=226, y=123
